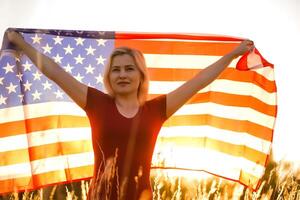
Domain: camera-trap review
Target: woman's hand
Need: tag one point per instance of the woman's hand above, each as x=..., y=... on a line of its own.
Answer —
x=246, y=45
x=15, y=38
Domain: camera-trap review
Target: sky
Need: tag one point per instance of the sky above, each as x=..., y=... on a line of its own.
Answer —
x=274, y=26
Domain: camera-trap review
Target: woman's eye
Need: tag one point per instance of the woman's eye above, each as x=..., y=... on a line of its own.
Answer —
x=115, y=70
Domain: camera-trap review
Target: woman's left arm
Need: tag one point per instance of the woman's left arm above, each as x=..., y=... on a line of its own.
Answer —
x=181, y=95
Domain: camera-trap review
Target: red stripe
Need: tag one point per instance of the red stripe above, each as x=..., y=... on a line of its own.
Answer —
x=42, y=123
x=231, y=100
x=170, y=74
x=133, y=35
x=178, y=47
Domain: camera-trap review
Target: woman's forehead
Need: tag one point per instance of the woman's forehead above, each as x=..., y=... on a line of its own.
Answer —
x=124, y=59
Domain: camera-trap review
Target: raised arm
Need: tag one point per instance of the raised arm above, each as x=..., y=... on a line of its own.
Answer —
x=76, y=90
x=181, y=95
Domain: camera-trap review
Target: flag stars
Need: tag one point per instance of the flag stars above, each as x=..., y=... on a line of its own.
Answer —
x=27, y=66
x=2, y=100
x=57, y=58
x=36, y=95
x=68, y=68
x=11, y=88
x=1, y=80
x=36, y=39
x=47, y=85
x=79, y=59
x=100, y=60
x=21, y=96
x=101, y=42
x=47, y=49
x=90, y=50
x=57, y=40
x=58, y=94
x=8, y=68
x=27, y=86
x=37, y=76
x=79, y=41
x=89, y=69
x=79, y=77
x=19, y=75
x=68, y=50
x=99, y=79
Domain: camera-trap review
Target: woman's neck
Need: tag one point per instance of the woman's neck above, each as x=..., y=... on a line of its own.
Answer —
x=127, y=106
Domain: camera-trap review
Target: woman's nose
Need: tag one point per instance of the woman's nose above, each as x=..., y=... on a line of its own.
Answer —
x=122, y=73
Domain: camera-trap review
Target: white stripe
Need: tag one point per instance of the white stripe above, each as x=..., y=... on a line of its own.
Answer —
x=204, y=159
x=232, y=137
x=196, y=62
x=23, y=141
x=230, y=112
x=225, y=86
x=46, y=165
x=40, y=110
x=15, y=171
x=267, y=72
x=13, y=143
x=182, y=61
x=59, y=135
x=62, y=162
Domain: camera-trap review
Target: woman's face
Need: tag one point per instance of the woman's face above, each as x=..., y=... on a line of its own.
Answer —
x=124, y=75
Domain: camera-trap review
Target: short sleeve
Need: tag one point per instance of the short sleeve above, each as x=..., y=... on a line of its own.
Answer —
x=159, y=106
x=95, y=100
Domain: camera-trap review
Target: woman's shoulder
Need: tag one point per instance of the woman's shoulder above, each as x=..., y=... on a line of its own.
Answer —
x=97, y=98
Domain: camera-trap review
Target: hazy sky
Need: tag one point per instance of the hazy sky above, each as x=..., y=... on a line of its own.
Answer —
x=274, y=25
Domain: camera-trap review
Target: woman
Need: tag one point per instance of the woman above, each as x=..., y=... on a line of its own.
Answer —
x=123, y=123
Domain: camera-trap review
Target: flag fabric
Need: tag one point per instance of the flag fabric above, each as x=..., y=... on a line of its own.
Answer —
x=226, y=129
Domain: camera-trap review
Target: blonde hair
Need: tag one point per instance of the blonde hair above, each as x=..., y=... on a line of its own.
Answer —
x=139, y=61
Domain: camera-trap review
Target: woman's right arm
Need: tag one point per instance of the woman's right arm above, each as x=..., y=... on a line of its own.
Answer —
x=76, y=90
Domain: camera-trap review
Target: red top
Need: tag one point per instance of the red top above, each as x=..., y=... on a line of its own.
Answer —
x=133, y=137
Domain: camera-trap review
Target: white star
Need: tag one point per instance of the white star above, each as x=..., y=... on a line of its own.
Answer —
x=101, y=60
x=57, y=58
x=79, y=59
x=68, y=68
x=27, y=66
x=37, y=76
x=59, y=94
x=1, y=80
x=2, y=100
x=11, y=88
x=36, y=39
x=36, y=95
x=20, y=75
x=78, y=77
x=57, y=40
x=79, y=41
x=90, y=50
x=27, y=86
x=8, y=68
x=101, y=42
x=89, y=69
x=21, y=96
x=99, y=79
x=17, y=58
x=68, y=49
x=47, y=85
x=47, y=49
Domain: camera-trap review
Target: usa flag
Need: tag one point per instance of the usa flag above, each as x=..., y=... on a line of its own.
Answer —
x=226, y=129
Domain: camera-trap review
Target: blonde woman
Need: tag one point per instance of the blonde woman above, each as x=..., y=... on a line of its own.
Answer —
x=123, y=122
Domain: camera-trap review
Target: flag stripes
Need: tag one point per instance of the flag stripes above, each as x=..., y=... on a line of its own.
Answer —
x=239, y=104
x=226, y=129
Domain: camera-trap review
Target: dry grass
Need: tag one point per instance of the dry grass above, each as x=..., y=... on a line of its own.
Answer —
x=281, y=182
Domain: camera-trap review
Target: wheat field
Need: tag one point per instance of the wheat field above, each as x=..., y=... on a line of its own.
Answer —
x=280, y=182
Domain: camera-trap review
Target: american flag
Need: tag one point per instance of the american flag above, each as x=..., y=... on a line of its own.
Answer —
x=45, y=138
